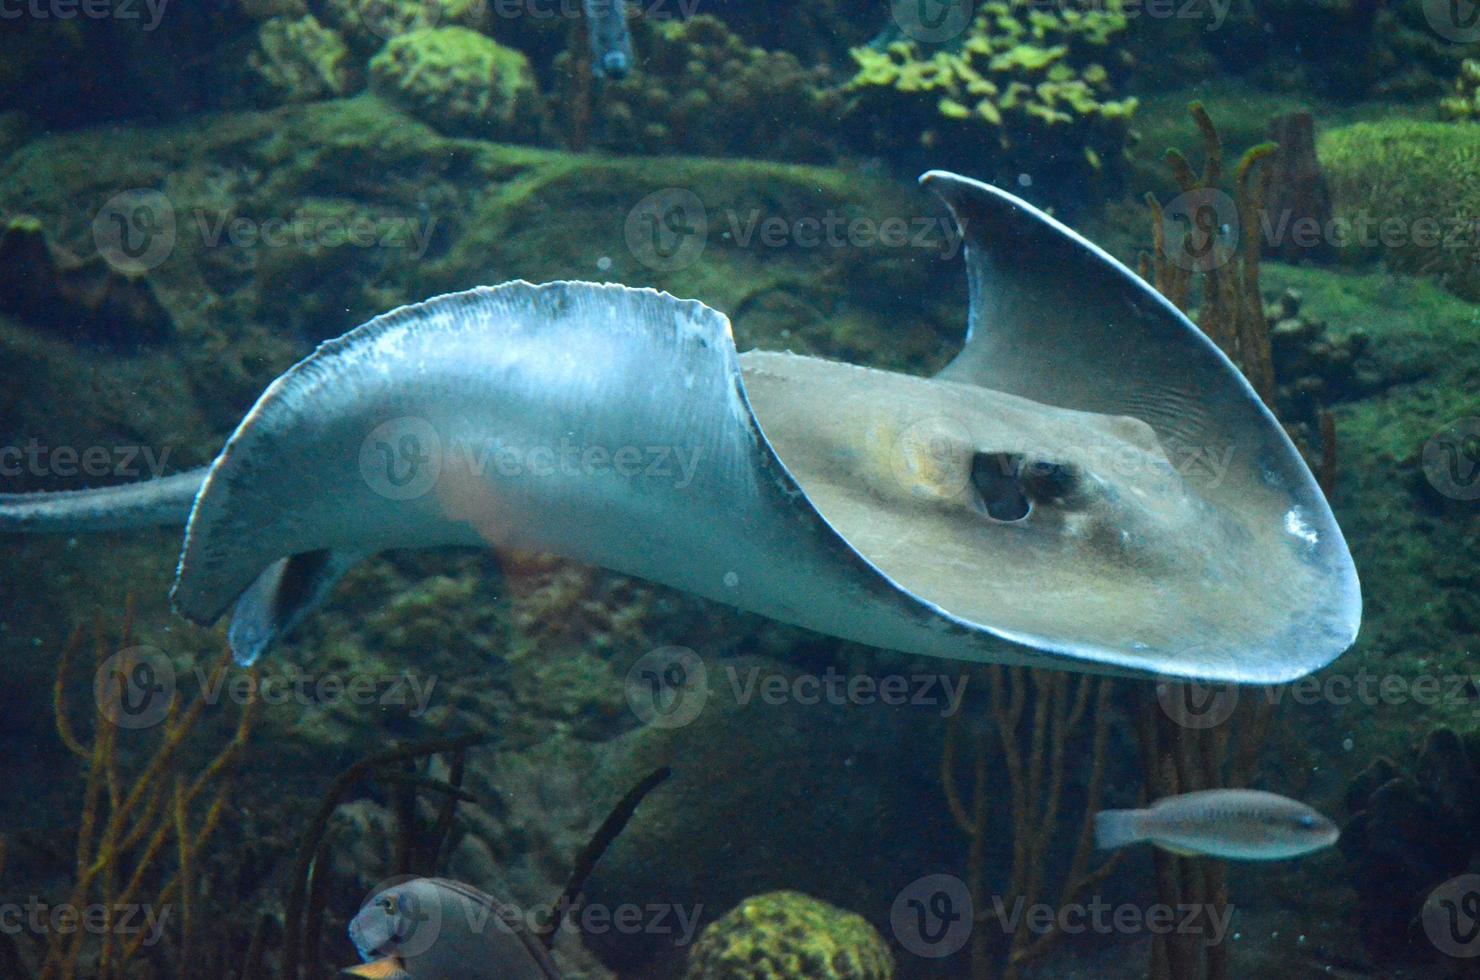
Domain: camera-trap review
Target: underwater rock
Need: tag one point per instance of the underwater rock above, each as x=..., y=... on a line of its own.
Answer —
x=784, y=935
x=701, y=90
x=82, y=300
x=460, y=81
x=1313, y=367
x=1405, y=190
x=299, y=59
x=1298, y=197
x=368, y=24
x=1409, y=832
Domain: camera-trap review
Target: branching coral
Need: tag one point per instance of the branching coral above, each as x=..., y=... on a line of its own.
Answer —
x=1057, y=709
x=1028, y=87
x=130, y=832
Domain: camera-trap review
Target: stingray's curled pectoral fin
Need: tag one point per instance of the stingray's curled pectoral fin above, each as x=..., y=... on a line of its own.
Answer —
x=1263, y=589
x=281, y=597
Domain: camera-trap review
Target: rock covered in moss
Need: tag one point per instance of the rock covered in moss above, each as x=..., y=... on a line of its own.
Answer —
x=789, y=935
x=298, y=59
x=369, y=24
x=703, y=91
x=1024, y=90
x=462, y=82
x=1408, y=191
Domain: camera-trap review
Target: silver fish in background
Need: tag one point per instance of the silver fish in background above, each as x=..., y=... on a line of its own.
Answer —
x=1240, y=824
x=611, y=39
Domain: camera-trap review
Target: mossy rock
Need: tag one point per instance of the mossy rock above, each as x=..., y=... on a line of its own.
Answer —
x=298, y=59
x=462, y=82
x=789, y=935
x=368, y=24
x=1411, y=191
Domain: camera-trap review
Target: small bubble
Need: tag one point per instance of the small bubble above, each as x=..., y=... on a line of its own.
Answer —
x=1025, y=180
x=1348, y=744
x=604, y=263
x=731, y=580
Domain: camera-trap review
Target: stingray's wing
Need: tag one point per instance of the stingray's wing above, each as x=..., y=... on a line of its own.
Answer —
x=1056, y=319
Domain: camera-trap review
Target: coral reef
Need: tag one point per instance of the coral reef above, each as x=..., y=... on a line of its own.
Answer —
x=1037, y=779
x=789, y=935
x=462, y=82
x=299, y=59
x=1029, y=90
x=1410, y=831
x=1409, y=192
x=1463, y=102
x=703, y=91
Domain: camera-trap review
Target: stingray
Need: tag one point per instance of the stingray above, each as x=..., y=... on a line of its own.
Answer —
x=1089, y=485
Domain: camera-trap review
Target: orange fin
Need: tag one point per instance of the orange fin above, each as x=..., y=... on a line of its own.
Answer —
x=389, y=968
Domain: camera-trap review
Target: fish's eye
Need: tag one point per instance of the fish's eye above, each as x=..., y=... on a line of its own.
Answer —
x=386, y=904
x=999, y=489
x=1306, y=821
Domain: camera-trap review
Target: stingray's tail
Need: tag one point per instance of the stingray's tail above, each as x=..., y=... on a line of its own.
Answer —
x=152, y=503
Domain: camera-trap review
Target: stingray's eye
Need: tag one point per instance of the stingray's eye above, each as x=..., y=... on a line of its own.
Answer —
x=1009, y=484
x=999, y=489
x=1043, y=481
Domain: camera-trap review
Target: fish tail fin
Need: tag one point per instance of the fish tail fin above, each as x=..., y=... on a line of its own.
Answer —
x=149, y=503
x=1116, y=828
